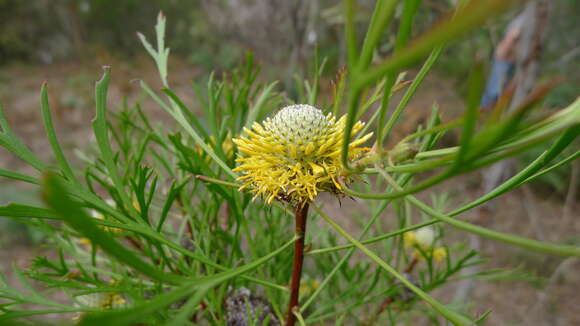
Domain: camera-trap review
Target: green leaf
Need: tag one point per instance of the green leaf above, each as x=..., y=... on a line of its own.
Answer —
x=18, y=176
x=20, y=210
x=350, y=34
x=187, y=113
x=534, y=245
x=382, y=15
x=476, y=83
x=10, y=141
x=523, y=176
x=197, y=287
x=51, y=134
x=409, y=93
x=161, y=54
x=101, y=131
x=177, y=114
x=452, y=316
x=462, y=21
x=55, y=196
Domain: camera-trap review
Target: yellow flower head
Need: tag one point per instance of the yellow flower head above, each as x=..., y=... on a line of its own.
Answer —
x=409, y=239
x=296, y=154
x=439, y=254
x=100, y=216
x=106, y=301
x=308, y=287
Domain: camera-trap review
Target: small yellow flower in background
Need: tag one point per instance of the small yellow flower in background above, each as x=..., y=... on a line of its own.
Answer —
x=296, y=154
x=136, y=205
x=425, y=239
x=102, y=300
x=439, y=254
x=106, y=301
x=409, y=239
x=307, y=287
x=86, y=242
x=98, y=215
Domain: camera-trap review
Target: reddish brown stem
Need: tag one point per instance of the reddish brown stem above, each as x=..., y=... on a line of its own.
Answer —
x=381, y=309
x=135, y=243
x=385, y=304
x=300, y=214
x=412, y=265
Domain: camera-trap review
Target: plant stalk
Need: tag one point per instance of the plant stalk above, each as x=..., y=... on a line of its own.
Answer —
x=300, y=215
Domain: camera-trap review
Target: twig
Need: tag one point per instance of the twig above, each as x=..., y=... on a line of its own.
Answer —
x=300, y=214
x=412, y=265
x=384, y=305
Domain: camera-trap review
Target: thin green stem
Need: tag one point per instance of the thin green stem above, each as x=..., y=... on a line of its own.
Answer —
x=217, y=181
x=454, y=317
x=346, y=256
x=538, y=246
x=382, y=15
x=410, y=92
x=350, y=34
x=523, y=176
x=565, y=139
x=374, y=239
x=350, y=120
x=553, y=167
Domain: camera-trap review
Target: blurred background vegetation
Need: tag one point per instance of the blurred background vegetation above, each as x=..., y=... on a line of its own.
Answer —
x=215, y=33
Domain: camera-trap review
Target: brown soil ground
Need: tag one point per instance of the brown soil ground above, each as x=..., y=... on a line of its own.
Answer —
x=532, y=212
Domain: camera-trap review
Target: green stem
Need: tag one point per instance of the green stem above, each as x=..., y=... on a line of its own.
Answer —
x=543, y=247
x=409, y=94
x=374, y=239
x=452, y=316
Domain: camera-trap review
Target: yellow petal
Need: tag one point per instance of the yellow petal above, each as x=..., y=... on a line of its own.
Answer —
x=292, y=151
x=309, y=148
x=317, y=169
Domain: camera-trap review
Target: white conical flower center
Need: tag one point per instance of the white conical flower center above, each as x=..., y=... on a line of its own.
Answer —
x=299, y=124
x=425, y=237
